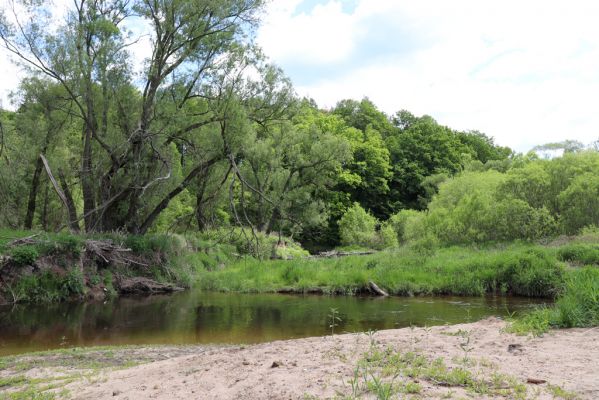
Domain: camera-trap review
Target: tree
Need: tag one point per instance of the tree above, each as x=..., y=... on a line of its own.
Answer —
x=128, y=137
x=425, y=148
x=287, y=166
x=580, y=203
x=357, y=227
x=362, y=115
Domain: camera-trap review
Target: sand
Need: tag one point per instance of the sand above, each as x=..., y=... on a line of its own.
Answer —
x=323, y=367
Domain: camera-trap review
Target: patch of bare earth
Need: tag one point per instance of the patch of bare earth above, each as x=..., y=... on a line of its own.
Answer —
x=477, y=361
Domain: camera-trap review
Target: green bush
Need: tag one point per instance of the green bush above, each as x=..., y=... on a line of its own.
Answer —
x=24, y=255
x=579, y=203
x=400, y=221
x=357, y=227
x=580, y=253
x=47, y=287
x=533, y=273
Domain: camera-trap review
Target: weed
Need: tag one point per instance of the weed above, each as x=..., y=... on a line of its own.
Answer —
x=561, y=393
x=334, y=319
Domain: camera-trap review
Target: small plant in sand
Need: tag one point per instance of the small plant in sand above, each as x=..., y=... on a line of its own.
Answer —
x=334, y=319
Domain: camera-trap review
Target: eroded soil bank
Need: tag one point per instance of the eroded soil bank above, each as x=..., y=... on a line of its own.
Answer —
x=477, y=360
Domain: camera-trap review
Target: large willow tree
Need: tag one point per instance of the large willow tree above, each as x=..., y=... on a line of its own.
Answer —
x=145, y=137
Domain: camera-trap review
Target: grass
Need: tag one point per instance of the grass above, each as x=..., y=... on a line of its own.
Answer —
x=578, y=306
x=580, y=253
x=524, y=270
x=385, y=373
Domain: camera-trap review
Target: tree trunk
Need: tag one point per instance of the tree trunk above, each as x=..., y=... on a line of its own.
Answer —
x=44, y=216
x=87, y=181
x=165, y=202
x=33, y=194
x=71, y=209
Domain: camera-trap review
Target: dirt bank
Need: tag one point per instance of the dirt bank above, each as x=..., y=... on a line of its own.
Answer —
x=476, y=360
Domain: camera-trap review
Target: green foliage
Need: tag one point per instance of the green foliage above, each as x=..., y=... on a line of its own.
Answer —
x=579, y=203
x=580, y=253
x=49, y=287
x=148, y=244
x=578, y=306
x=401, y=221
x=519, y=270
x=358, y=227
x=24, y=255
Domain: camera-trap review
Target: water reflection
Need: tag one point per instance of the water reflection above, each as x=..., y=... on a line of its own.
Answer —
x=195, y=317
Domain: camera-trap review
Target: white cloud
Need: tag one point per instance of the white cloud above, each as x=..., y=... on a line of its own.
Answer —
x=323, y=36
x=523, y=72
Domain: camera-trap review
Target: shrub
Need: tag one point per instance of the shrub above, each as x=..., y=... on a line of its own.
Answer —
x=580, y=203
x=580, y=253
x=51, y=287
x=400, y=221
x=24, y=255
x=357, y=227
x=532, y=273
x=387, y=237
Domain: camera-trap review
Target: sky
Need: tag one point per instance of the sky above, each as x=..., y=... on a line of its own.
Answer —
x=524, y=72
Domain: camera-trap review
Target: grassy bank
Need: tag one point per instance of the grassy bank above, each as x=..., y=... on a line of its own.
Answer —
x=51, y=267
x=519, y=269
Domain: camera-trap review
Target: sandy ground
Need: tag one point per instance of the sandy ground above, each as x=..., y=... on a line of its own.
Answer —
x=323, y=367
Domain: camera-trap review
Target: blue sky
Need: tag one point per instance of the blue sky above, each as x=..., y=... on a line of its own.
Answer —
x=524, y=72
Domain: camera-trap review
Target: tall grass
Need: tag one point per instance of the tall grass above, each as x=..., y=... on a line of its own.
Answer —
x=519, y=269
x=577, y=307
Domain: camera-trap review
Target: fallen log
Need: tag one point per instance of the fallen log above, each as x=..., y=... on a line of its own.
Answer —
x=335, y=253
x=141, y=285
x=373, y=286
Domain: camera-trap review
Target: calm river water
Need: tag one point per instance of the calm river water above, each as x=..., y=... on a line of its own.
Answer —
x=200, y=317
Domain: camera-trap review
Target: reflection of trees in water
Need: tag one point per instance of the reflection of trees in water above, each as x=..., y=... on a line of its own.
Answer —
x=217, y=317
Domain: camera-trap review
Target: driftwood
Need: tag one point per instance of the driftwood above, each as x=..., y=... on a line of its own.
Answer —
x=109, y=252
x=140, y=285
x=373, y=286
x=104, y=250
x=67, y=201
x=24, y=241
x=335, y=253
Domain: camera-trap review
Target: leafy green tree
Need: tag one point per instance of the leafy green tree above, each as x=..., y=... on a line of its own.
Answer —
x=287, y=166
x=131, y=140
x=483, y=147
x=425, y=148
x=362, y=115
x=357, y=227
x=579, y=203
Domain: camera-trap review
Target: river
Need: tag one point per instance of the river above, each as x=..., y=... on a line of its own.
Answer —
x=194, y=317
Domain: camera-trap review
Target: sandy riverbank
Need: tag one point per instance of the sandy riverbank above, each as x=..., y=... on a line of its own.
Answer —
x=323, y=367
x=475, y=360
